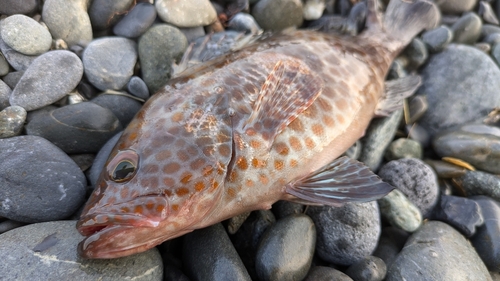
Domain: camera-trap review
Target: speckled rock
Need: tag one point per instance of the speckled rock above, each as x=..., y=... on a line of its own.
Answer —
x=187, y=13
x=268, y=14
x=18, y=61
x=437, y=252
x=104, y=14
x=399, y=211
x=481, y=183
x=12, y=121
x=25, y=35
x=369, y=269
x=403, y=148
x=47, y=251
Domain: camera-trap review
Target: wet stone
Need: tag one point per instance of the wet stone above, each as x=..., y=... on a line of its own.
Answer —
x=159, y=47
x=399, y=211
x=84, y=161
x=137, y=21
x=495, y=50
x=462, y=213
x=49, y=78
x=77, y=128
x=283, y=208
x=68, y=20
x=5, y=92
x=109, y=62
x=101, y=158
x=286, y=249
x=18, y=61
x=234, y=223
x=476, y=144
x=137, y=87
x=39, y=181
x=417, y=53
x=346, y=234
x=244, y=22
x=481, y=183
x=209, y=255
x=437, y=39
x=456, y=6
x=487, y=238
x=186, y=13
x=437, y=252
x=403, y=148
x=47, y=251
x=492, y=39
x=446, y=170
x=323, y=273
x=104, y=14
x=467, y=29
x=124, y=108
x=370, y=268
x=378, y=137
x=25, y=35
x=456, y=93
x=268, y=14
x=12, y=121
x=12, y=7
x=392, y=241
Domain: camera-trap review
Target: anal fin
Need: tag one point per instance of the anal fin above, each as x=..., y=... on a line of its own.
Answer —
x=343, y=180
x=395, y=91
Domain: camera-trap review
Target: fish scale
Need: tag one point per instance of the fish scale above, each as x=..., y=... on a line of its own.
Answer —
x=239, y=132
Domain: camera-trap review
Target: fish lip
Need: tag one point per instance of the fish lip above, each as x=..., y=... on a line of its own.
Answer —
x=88, y=225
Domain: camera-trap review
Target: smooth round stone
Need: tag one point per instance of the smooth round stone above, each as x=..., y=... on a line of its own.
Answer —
x=25, y=35
x=12, y=121
x=245, y=23
x=17, y=60
x=186, y=13
x=109, y=62
x=77, y=128
x=269, y=14
x=39, y=181
x=437, y=39
x=101, y=158
x=418, y=106
x=489, y=29
x=124, y=108
x=403, y=148
x=467, y=29
x=398, y=68
x=193, y=33
x=456, y=6
x=417, y=53
x=399, y=211
x=462, y=213
x=283, y=209
x=446, y=170
x=356, y=19
x=487, y=238
x=346, y=234
x=313, y=9
x=481, y=183
x=377, y=138
x=456, y=93
x=49, y=78
x=12, y=7
x=5, y=92
x=415, y=179
x=68, y=20
x=9, y=225
x=48, y=251
x=137, y=87
x=159, y=47
x=486, y=12
x=437, y=252
x=209, y=255
x=368, y=269
x=84, y=161
x=286, y=249
x=136, y=22
x=476, y=144
x=392, y=240
x=493, y=39
x=104, y=14
x=12, y=78
x=324, y=273
x=4, y=66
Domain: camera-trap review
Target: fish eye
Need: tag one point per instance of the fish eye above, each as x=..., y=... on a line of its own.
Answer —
x=123, y=166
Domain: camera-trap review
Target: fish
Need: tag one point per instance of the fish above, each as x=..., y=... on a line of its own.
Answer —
x=266, y=122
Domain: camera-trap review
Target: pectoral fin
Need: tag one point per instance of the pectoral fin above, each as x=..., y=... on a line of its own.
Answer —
x=395, y=92
x=343, y=180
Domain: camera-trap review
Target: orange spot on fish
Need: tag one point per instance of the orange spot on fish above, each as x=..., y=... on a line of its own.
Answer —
x=177, y=117
x=168, y=181
x=150, y=206
x=186, y=178
x=214, y=185
x=278, y=164
x=255, y=144
x=175, y=207
x=293, y=163
x=171, y=168
x=182, y=191
x=281, y=148
x=232, y=176
x=163, y=155
x=145, y=182
x=242, y=163
x=295, y=143
x=183, y=156
x=296, y=125
x=310, y=143
x=160, y=208
x=138, y=209
x=249, y=183
x=132, y=136
x=121, y=146
x=168, y=193
x=125, y=209
x=231, y=192
x=196, y=164
x=263, y=179
x=328, y=121
x=340, y=118
x=124, y=192
x=207, y=170
x=199, y=186
x=317, y=129
x=224, y=150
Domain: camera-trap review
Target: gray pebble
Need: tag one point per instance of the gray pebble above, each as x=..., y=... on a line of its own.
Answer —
x=12, y=78
x=417, y=53
x=12, y=121
x=398, y=68
x=418, y=106
x=12, y=7
x=346, y=234
x=209, y=255
x=286, y=249
x=487, y=238
x=47, y=251
x=186, y=13
x=356, y=19
x=323, y=273
x=495, y=49
x=77, y=128
x=419, y=134
x=481, y=183
x=101, y=158
x=39, y=181
x=368, y=269
x=25, y=35
x=84, y=161
x=467, y=29
x=437, y=252
x=244, y=22
x=193, y=33
x=399, y=211
x=68, y=20
x=488, y=29
x=137, y=87
x=4, y=65
x=9, y=225
x=453, y=82
x=487, y=13
x=378, y=137
x=283, y=209
x=234, y=223
x=268, y=14
x=313, y=9
x=18, y=61
x=437, y=39
x=137, y=21
x=124, y=108
x=415, y=179
x=104, y=14
x=403, y=148
x=392, y=241
x=456, y=6
x=159, y=47
x=109, y=62
x=5, y=92
x=49, y=78
x=462, y=213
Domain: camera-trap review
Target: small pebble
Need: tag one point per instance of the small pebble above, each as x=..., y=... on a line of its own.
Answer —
x=481, y=183
x=356, y=19
x=487, y=238
x=5, y=92
x=193, y=33
x=371, y=268
x=392, y=240
x=12, y=78
x=445, y=170
x=487, y=13
x=12, y=121
x=403, y=148
x=462, y=213
x=323, y=273
x=137, y=87
x=104, y=14
x=283, y=209
x=418, y=106
x=456, y=6
x=186, y=13
x=25, y=35
x=417, y=53
x=467, y=29
x=124, y=108
x=268, y=13
x=137, y=21
x=4, y=65
x=12, y=7
x=84, y=161
x=244, y=22
x=18, y=61
x=437, y=39
x=399, y=211
x=313, y=9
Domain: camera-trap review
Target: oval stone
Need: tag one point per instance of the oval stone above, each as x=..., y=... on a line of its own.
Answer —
x=25, y=35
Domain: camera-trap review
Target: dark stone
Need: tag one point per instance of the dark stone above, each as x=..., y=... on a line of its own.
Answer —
x=467, y=29
x=323, y=273
x=462, y=213
x=481, y=183
x=104, y=14
x=282, y=209
x=487, y=237
x=369, y=269
x=124, y=108
x=12, y=7
x=392, y=241
x=101, y=158
x=437, y=39
x=268, y=14
x=137, y=21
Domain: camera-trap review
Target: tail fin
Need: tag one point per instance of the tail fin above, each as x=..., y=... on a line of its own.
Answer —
x=406, y=18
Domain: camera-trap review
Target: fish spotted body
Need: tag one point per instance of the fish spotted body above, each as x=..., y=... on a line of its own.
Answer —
x=240, y=132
